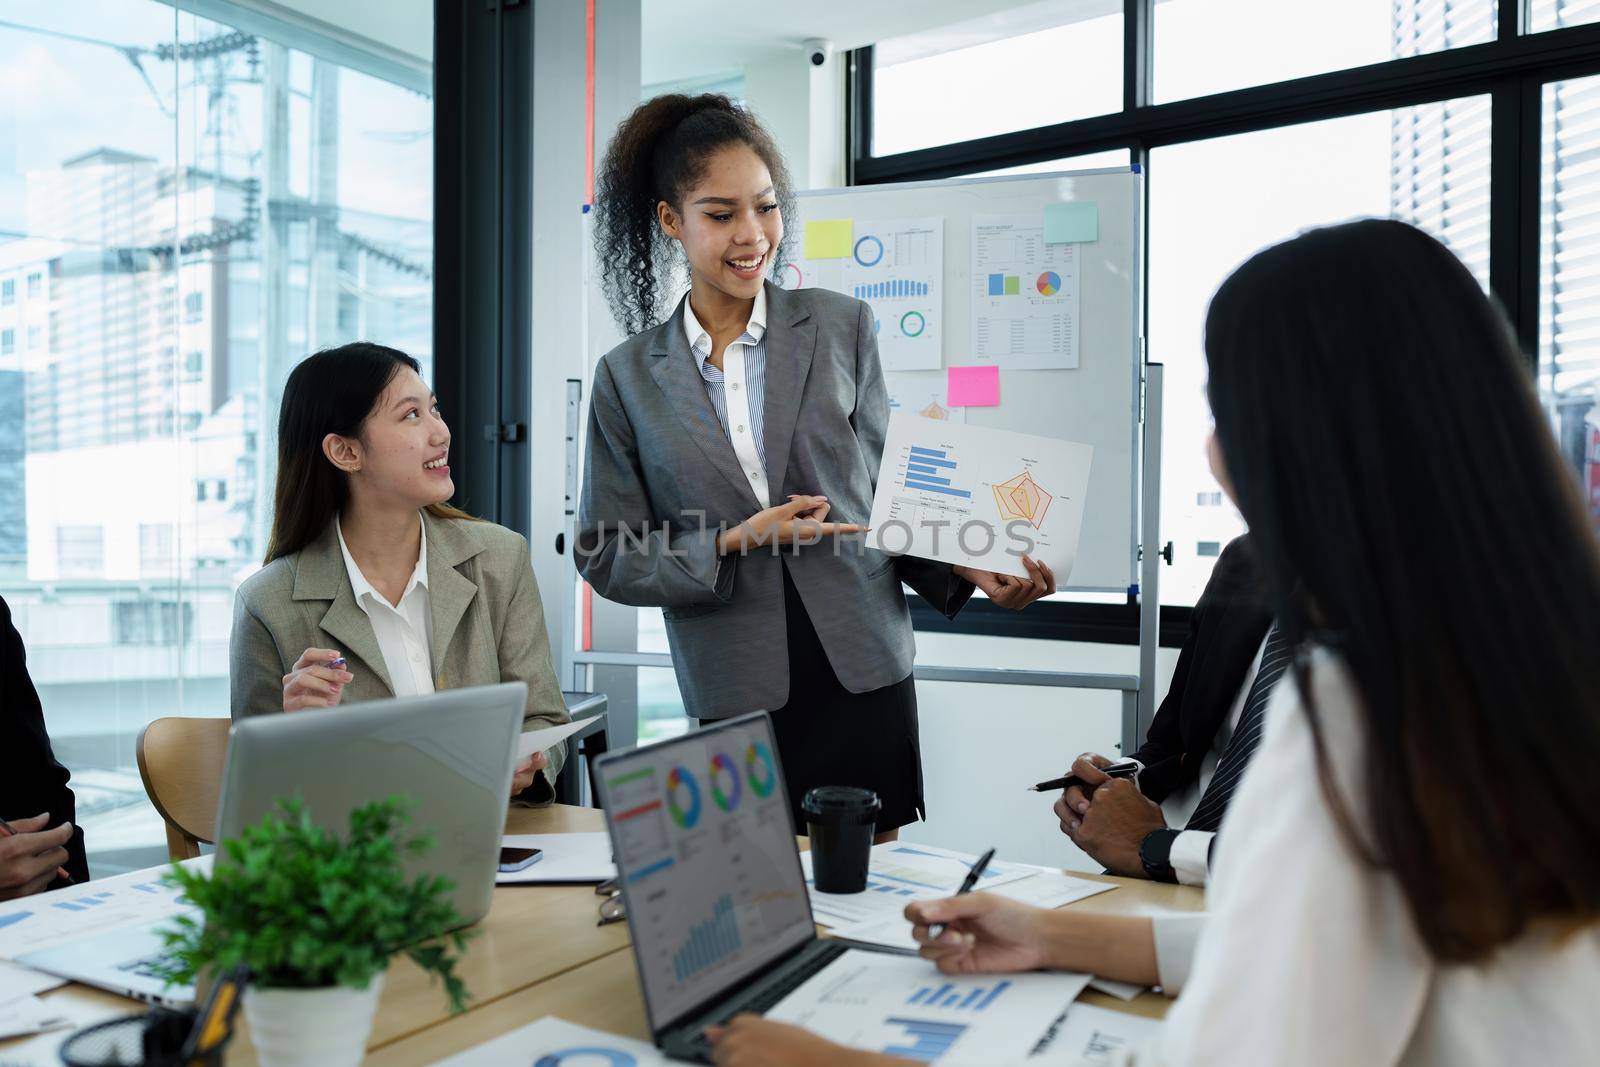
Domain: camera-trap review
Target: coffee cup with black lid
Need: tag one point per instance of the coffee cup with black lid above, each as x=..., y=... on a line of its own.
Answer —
x=841, y=821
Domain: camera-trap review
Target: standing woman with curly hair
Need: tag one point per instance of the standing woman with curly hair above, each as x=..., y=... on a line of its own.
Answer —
x=732, y=453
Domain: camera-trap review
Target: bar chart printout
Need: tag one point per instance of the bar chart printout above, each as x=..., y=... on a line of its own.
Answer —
x=929, y=470
x=928, y=1040
x=903, y=1006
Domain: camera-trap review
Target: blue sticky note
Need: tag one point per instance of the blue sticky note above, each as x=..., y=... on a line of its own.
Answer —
x=1076, y=223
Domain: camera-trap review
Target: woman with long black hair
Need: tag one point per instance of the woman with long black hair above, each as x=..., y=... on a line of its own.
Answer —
x=387, y=589
x=734, y=440
x=1408, y=871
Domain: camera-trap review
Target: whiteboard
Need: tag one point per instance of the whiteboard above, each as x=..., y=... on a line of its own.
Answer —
x=1096, y=402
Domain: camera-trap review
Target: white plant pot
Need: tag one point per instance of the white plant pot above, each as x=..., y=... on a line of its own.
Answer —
x=311, y=1027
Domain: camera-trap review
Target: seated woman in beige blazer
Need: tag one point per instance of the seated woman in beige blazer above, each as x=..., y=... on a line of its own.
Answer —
x=374, y=586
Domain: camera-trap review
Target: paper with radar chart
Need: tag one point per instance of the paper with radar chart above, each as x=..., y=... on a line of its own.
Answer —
x=897, y=267
x=979, y=497
x=1024, y=295
x=921, y=393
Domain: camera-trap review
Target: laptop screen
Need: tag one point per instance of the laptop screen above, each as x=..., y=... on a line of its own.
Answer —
x=706, y=852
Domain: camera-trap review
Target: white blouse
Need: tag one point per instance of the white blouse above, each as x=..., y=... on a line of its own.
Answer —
x=1308, y=957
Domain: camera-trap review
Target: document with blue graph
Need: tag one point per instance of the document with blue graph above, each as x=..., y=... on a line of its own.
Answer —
x=979, y=497
x=897, y=267
x=902, y=1006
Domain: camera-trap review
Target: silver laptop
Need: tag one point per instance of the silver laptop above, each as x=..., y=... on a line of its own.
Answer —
x=452, y=754
x=711, y=878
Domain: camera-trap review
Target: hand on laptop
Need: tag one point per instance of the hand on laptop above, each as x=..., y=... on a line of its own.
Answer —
x=29, y=858
x=313, y=681
x=523, y=776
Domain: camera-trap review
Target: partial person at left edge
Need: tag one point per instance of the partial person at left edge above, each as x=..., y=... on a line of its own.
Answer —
x=374, y=586
x=34, y=798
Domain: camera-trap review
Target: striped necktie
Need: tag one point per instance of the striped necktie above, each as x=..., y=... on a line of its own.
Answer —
x=1246, y=736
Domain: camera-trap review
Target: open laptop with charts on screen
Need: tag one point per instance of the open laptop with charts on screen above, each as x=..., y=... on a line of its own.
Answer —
x=710, y=874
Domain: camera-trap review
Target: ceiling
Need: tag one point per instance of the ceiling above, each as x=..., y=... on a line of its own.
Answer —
x=694, y=38
x=684, y=39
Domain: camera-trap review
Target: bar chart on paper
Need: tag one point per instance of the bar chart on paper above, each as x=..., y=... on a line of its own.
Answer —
x=903, y=1006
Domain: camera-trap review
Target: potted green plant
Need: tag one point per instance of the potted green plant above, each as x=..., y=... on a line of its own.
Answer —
x=316, y=919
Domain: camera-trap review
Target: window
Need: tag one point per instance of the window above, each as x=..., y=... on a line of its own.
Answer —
x=8, y=342
x=1011, y=70
x=156, y=550
x=86, y=181
x=35, y=338
x=152, y=622
x=80, y=551
x=1116, y=157
x=1213, y=203
x=1554, y=14
x=1211, y=46
x=1210, y=549
x=8, y=292
x=1208, y=500
x=1569, y=303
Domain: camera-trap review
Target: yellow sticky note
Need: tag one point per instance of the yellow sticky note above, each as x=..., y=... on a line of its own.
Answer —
x=829, y=238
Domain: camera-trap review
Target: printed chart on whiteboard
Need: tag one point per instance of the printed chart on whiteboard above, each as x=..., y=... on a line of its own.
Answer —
x=921, y=393
x=1025, y=295
x=897, y=267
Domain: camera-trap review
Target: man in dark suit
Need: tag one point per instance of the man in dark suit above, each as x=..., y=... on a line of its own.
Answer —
x=34, y=798
x=1202, y=737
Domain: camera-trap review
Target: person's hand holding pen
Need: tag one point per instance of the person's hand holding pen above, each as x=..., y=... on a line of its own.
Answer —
x=31, y=857
x=316, y=680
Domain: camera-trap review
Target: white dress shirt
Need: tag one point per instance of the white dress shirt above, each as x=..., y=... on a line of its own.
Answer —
x=1309, y=957
x=1191, y=849
x=737, y=391
x=404, y=632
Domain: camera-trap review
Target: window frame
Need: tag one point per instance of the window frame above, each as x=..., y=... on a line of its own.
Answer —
x=1511, y=70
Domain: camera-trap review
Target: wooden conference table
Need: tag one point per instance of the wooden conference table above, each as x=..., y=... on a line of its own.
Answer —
x=539, y=953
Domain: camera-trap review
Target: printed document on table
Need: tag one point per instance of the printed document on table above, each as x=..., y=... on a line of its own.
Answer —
x=902, y=1006
x=1024, y=295
x=900, y=872
x=61, y=915
x=897, y=267
x=1046, y=889
x=577, y=857
x=980, y=497
x=553, y=1042
x=1094, y=1035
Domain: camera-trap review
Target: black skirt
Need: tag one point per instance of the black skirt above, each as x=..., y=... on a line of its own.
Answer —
x=828, y=735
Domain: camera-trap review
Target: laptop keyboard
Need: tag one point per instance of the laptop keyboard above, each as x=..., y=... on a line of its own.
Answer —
x=767, y=997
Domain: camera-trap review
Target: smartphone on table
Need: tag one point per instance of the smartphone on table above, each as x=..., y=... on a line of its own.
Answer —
x=519, y=859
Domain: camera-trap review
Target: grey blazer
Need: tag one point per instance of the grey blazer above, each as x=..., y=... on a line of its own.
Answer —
x=662, y=480
x=488, y=625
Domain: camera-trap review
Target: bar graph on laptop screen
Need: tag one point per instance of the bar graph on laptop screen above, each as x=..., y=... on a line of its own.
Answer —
x=704, y=846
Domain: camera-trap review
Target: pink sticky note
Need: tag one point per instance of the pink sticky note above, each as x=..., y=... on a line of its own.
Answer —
x=973, y=387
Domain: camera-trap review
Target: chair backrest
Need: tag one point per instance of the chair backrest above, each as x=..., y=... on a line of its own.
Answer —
x=181, y=762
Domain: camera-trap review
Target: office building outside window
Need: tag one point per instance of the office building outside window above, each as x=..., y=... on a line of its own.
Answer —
x=177, y=233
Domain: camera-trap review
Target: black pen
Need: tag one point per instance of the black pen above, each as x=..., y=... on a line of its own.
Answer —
x=1125, y=769
x=966, y=887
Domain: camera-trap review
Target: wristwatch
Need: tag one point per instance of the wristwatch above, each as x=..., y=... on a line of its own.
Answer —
x=1155, y=853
